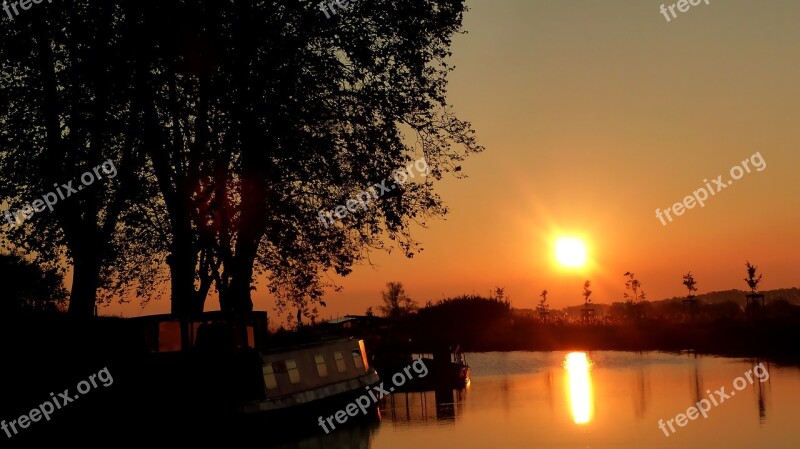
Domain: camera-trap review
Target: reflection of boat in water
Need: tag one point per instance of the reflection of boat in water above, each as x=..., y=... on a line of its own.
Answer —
x=228, y=360
x=447, y=369
x=413, y=407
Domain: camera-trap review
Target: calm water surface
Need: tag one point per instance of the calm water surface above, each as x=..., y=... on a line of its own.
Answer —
x=602, y=399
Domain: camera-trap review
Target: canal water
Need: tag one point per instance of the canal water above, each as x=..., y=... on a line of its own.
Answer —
x=598, y=399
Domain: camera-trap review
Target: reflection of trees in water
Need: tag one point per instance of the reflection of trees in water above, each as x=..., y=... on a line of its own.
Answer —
x=761, y=391
x=505, y=393
x=423, y=406
x=760, y=388
x=641, y=391
x=697, y=381
x=549, y=382
x=762, y=404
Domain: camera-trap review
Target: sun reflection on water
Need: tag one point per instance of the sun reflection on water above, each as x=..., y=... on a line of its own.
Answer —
x=579, y=379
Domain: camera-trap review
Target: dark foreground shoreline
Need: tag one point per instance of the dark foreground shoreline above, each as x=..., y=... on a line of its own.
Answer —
x=46, y=354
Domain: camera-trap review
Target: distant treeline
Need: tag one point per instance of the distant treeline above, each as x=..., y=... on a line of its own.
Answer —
x=465, y=320
x=720, y=324
x=780, y=304
x=791, y=295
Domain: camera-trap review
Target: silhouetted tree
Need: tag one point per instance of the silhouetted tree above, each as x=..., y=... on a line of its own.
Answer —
x=689, y=282
x=587, y=293
x=634, y=296
x=28, y=287
x=236, y=123
x=65, y=107
x=633, y=286
x=543, y=305
x=587, y=313
x=751, y=279
x=543, y=308
x=754, y=301
x=289, y=122
x=395, y=301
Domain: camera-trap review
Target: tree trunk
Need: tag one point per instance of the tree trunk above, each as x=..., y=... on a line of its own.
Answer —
x=85, y=281
x=252, y=226
x=238, y=296
x=182, y=283
x=86, y=253
x=186, y=300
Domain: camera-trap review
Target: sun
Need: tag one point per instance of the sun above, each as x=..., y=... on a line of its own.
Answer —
x=571, y=252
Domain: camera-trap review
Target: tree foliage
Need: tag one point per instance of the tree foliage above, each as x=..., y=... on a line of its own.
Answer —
x=232, y=124
x=634, y=294
x=396, y=303
x=751, y=279
x=689, y=282
x=28, y=287
x=66, y=106
x=586, y=293
x=543, y=305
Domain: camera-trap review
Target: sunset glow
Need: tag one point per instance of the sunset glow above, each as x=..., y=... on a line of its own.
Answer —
x=383, y=224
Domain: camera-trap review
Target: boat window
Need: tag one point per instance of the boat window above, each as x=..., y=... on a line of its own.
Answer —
x=269, y=377
x=294, y=373
x=340, y=367
x=251, y=337
x=169, y=336
x=279, y=366
x=357, y=359
x=322, y=370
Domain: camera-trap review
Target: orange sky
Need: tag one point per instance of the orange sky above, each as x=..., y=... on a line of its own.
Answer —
x=594, y=114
